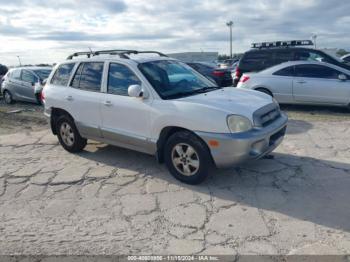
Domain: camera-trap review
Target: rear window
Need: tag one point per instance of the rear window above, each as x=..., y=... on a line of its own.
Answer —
x=62, y=74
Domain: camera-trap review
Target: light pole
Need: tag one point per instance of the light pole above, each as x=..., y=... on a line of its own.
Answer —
x=314, y=37
x=19, y=60
x=230, y=25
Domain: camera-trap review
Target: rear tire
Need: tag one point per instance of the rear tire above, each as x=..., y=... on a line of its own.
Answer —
x=68, y=135
x=8, y=97
x=265, y=91
x=187, y=157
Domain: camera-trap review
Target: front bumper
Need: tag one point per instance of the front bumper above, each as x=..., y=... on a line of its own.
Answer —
x=233, y=149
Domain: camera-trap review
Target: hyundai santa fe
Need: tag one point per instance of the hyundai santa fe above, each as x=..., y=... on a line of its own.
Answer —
x=151, y=103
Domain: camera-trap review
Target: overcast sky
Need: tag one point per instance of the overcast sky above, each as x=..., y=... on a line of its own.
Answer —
x=48, y=31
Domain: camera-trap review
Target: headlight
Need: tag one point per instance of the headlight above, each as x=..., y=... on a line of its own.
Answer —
x=238, y=123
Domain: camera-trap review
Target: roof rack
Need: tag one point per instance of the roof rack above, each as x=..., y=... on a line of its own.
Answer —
x=282, y=44
x=121, y=53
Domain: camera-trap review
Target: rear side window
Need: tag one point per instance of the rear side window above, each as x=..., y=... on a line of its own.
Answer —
x=62, y=74
x=282, y=56
x=16, y=74
x=89, y=76
x=120, y=78
x=256, y=61
x=287, y=71
x=316, y=71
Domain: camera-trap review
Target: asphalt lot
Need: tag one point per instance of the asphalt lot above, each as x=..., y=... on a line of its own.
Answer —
x=108, y=200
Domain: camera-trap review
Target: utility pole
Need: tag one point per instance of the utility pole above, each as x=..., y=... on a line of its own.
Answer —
x=19, y=60
x=230, y=25
x=314, y=37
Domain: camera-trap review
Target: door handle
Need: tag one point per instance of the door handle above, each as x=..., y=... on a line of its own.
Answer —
x=301, y=82
x=69, y=98
x=108, y=103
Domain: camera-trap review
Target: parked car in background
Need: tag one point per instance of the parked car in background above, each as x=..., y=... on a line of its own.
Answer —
x=302, y=82
x=24, y=84
x=160, y=106
x=267, y=54
x=228, y=63
x=222, y=77
x=346, y=58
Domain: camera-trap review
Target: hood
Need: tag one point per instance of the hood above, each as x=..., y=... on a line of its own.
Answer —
x=232, y=100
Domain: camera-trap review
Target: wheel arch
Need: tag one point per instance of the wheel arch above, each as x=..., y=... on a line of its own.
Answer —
x=168, y=131
x=258, y=88
x=55, y=114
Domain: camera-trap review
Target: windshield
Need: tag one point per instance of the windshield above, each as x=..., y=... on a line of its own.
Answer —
x=42, y=73
x=173, y=79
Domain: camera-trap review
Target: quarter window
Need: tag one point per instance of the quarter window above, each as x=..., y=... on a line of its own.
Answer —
x=316, y=71
x=62, y=74
x=88, y=76
x=120, y=78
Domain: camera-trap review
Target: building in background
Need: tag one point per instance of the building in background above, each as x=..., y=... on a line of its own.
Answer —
x=187, y=57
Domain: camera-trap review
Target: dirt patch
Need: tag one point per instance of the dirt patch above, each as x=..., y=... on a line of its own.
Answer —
x=21, y=117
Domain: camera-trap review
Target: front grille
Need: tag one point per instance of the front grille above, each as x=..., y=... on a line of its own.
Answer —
x=266, y=115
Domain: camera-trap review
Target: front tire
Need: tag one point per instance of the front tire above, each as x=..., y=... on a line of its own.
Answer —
x=187, y=158
x=68, y=135
x=8, y=97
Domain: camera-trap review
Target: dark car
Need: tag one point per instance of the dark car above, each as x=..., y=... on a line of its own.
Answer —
x=222, y=76
x=265, y=55
x=3, y=71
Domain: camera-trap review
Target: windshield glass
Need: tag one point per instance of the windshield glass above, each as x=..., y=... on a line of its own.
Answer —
x=42, y=73
x=173, y=79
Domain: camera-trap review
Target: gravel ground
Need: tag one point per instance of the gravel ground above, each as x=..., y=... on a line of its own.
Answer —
x=108, y=200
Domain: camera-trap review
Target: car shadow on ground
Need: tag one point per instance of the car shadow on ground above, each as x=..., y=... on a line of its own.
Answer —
x=298, y=126
x=304, y=188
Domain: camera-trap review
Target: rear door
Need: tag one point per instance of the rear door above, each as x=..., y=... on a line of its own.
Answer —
x=84, y=98
x=319, y=84
x=281, y=84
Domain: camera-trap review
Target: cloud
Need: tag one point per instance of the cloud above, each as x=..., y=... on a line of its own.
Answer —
x=59, y=27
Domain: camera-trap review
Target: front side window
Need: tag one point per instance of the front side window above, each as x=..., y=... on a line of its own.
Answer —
x=42, y=73
x=287, y=71
x=62, y=74
x=316, y=71
x=28, y=77
x=88, y=76
x=173, y=79
x=120, y=78
x=16, y=74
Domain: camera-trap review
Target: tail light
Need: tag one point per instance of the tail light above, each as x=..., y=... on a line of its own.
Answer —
x=244, y=79
x=237, y=73
x=218, y=73
x=42, y=96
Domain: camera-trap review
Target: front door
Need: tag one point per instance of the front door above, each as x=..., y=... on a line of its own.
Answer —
x=125, y=119
x=319, y=84
x=27, y=86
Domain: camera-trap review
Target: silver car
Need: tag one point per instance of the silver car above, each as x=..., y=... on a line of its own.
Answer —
x=302, y=82
x=24, y=84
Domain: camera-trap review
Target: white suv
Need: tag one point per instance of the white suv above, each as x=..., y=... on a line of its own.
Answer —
x=159, y=106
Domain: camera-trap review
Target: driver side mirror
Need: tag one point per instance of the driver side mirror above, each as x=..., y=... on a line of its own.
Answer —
x=342, y=77
x=137, y=91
